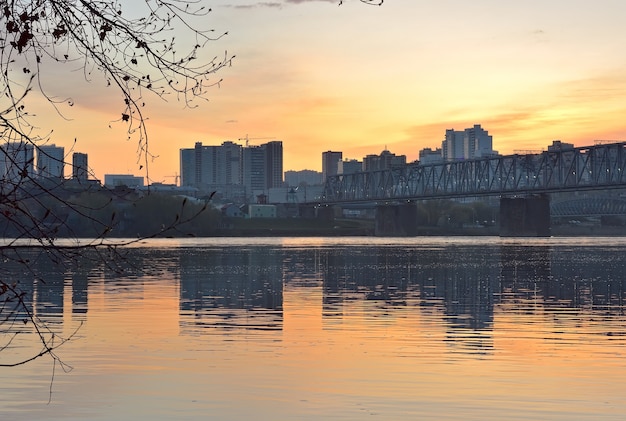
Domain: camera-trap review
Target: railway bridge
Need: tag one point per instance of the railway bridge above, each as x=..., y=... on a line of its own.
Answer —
x=522, y=182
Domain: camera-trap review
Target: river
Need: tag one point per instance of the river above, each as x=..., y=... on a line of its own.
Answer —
x=465, y=328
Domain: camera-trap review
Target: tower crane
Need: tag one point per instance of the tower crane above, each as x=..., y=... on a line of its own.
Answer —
x=248, y=139
x=175, y=177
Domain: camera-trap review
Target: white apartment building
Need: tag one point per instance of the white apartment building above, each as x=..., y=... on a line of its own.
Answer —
x=474, y=142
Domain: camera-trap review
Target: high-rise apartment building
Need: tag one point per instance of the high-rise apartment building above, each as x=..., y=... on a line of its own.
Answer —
x=452, y=147
x=262, y=167
x=479, y=142
x=274, y=163
x=229, y=168
x=206, y=166
x=16, y=161
x=187, y=163
x=330, y=164
x=80, y=167
x=254, y=169
x=233, y=170
x=474, y=142
x=50, y=161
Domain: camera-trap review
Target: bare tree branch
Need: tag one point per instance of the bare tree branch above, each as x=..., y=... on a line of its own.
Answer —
x=135, y=51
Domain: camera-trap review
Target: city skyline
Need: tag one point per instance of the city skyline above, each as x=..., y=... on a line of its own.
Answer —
x=530, y=73
x=225, y=164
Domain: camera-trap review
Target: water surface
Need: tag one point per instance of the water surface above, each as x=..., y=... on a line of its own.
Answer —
x=336, y=328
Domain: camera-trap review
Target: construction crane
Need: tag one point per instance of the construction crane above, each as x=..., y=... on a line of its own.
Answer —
x=248, y=139
x=175, y=177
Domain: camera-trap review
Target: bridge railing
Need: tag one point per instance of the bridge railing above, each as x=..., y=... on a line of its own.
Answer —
x=581, y=168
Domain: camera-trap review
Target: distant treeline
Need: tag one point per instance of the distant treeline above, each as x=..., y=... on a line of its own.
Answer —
x=110, y=213
x=438, y=213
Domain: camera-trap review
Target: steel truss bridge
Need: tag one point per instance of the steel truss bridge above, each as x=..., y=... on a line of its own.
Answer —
x=589, y=206
x=597, y=167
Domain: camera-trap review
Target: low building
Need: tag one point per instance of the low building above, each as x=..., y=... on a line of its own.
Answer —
x=172, y=190
x=384, y=161
x=303, y=177
x=558, y=145
x=429, y=156
x=232, y=211
x=302, y=194
x=350, y=166
x=262, y=211
x=128, y=180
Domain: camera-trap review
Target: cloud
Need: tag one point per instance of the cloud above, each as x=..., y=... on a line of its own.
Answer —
x=276, y=4
x=309, y=1
x=280, y=4
x=267, y=4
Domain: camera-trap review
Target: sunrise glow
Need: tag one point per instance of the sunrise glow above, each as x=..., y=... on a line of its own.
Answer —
x=360, y=78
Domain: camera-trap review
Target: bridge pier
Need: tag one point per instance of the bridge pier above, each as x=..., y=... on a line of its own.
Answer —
x=525, y=216
x=396, y=220
x=328, y=213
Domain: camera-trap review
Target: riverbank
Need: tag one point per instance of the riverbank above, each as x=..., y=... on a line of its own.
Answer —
x=298, y=227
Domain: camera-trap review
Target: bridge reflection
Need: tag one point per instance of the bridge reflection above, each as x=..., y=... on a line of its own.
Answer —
x=462, y=286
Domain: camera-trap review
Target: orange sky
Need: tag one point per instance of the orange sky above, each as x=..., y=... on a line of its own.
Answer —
x=359, y=78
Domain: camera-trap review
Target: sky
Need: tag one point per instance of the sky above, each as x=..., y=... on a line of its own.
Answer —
x=361, y=79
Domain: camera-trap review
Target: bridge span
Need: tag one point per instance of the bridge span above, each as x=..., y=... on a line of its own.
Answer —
x=522, y=181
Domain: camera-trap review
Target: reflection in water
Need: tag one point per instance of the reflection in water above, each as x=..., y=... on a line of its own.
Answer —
x=239, y=288
x=458, y=285
x=566, y=278
x=310, y=331
x=80, y=284
x=243, y=287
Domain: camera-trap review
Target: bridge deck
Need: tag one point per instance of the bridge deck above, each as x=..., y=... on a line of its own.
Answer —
x=575, y=169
